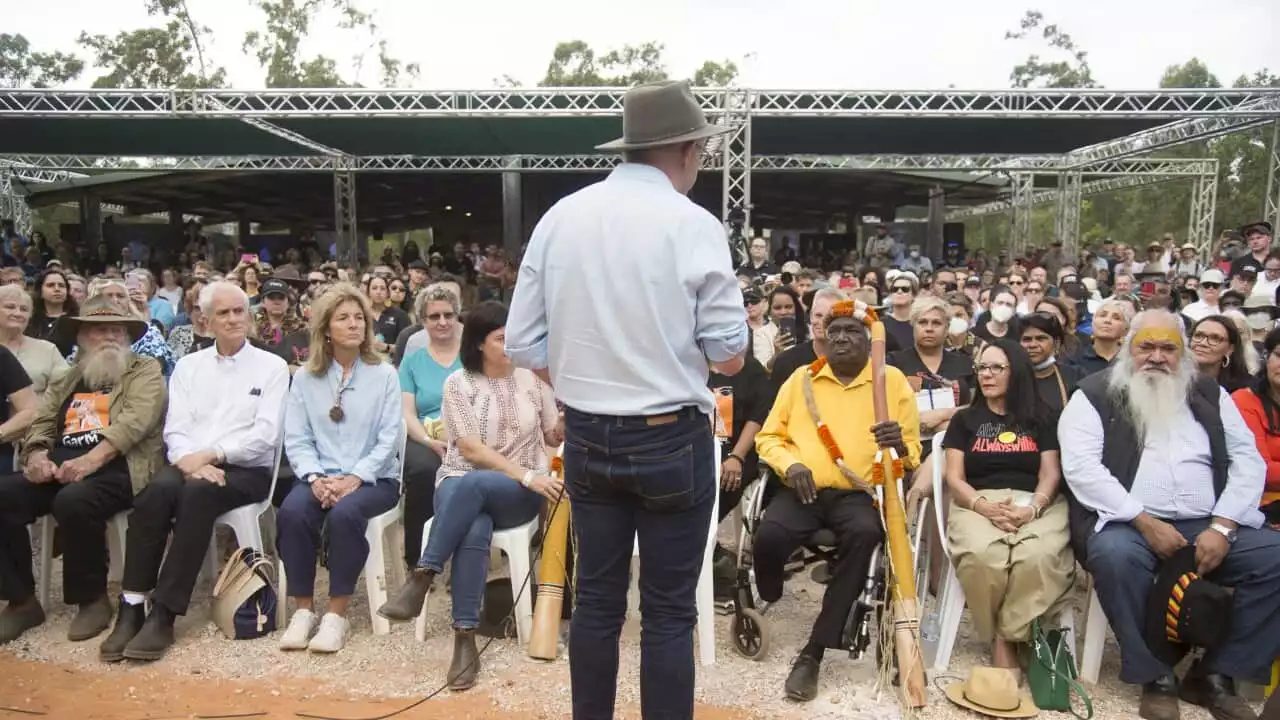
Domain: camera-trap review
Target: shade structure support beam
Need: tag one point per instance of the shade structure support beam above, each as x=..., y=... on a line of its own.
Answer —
x=734, y=156
x=1023, y=185
x=1204, y=201
x=345, y=221
x=1271, y=205
x=1067, y=217
x=13, y=206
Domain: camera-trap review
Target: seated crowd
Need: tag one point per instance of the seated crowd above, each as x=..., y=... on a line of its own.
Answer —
x=1083, y=435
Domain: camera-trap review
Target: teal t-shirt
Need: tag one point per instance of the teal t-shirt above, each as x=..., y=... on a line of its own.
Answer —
x=421, y=375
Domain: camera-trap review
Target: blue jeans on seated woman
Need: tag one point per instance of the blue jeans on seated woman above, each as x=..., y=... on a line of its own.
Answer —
x=468, y=509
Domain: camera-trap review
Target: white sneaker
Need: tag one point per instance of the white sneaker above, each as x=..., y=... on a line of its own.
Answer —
x=332, y=634
x=301, y=625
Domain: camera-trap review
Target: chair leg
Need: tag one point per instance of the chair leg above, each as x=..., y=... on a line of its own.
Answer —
x=951, y=610
x=282, y=596
x=706, y=629
x=375, y=580
x=1095, y=637
x=518, y=561
x=117, y=531
x=46, y=560
x=420, y=625
x=211, y=557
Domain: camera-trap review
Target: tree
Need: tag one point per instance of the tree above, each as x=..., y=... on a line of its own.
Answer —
x=1073, y=72
x=1191, y=74
x=714, y=74
x=170, y=56
x=21, y=67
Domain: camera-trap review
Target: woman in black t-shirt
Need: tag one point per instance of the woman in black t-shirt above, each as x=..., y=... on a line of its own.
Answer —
x=17, y=405
x=1008, y=536
x=390, y=320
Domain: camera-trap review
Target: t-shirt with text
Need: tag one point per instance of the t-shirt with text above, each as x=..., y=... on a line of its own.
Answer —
x=999, y=455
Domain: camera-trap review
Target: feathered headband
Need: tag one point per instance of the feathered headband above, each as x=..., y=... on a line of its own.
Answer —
x=852, y=309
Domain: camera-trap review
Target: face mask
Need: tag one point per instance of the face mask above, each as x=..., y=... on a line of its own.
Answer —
x=1001, y=313
x=915, y=254
x=1259, y=321
x=1048, y=363
x=958, y=326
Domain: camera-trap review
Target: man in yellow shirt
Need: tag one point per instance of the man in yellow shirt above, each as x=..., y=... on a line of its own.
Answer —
x=822, y=493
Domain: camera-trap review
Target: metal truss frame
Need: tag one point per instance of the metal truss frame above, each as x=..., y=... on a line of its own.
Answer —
x=12, y=205
x=1204, y=203
x=736, y=165
x=282, y=103
x=1023, y=191
x=345, y=222
x=1271, y=205
x=1067, y=216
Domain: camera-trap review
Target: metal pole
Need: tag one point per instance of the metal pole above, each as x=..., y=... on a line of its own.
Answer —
x=344, y=214
x=735, y=151
x=1023, y=185
x=512, y=208
x=1204, y=200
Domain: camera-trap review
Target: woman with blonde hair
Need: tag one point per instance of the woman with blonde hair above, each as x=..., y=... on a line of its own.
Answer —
x=343, y=428
x=40, y=358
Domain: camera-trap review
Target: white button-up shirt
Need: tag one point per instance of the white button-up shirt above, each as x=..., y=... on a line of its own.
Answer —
x=1174, y=480
x=230, y=404
x=625, y=291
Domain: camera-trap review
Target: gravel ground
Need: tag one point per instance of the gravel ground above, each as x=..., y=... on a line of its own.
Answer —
x=398, y=666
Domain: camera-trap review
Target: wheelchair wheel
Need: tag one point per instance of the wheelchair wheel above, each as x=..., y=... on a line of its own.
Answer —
x=750, y=637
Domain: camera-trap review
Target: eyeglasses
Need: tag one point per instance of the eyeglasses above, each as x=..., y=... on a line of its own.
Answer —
x=1200, y=337
x=990, y=368
x=902, y=289
x=437, y=317
x=1210, y=285
x=1016, y=282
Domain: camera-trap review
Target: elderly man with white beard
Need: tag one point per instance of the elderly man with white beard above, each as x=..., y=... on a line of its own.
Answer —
x=1157, y=457
x=95, y=443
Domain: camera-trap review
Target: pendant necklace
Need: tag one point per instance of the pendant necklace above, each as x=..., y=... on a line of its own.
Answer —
x=336, y=413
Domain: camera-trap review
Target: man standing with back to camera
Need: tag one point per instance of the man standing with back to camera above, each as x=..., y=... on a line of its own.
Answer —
x=625, y=296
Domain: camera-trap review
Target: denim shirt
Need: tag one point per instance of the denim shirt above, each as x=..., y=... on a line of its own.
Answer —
x=366, y=443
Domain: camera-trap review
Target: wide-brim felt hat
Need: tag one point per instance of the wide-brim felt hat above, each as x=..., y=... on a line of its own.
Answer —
x=289, y=274
x=1184, y=610
x=100, y=309
x=992, y=692
x=661, y=113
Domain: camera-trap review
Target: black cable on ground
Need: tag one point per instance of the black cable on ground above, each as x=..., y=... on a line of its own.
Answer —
x=533, y=563
x=20, y=711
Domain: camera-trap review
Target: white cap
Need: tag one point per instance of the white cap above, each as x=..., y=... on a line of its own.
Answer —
x=1213, y=275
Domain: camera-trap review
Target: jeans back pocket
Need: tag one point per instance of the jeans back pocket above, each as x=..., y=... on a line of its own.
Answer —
x=663, y=480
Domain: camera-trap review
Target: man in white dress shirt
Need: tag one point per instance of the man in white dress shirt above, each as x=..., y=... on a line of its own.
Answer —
x=625, y=296
x=221, y=430
x=1156, y=457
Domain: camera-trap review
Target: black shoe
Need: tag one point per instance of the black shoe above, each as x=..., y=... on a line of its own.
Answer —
x=154, y=638
x=17, y=618
x=1217, y=694
x=1160, y=699
x=91, y=620
x=128, y=622
x=802, y=683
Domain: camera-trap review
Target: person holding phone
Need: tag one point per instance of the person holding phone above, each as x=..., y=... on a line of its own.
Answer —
x=786, y=311
x=764, y=333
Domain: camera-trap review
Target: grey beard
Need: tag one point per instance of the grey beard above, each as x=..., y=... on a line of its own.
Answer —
x=1153, y=401
x=104, y=368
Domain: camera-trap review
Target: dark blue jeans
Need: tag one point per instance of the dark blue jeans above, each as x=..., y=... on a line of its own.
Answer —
x=468, y=508
x=653, y=479
x=298, y=525
x=1124, y=567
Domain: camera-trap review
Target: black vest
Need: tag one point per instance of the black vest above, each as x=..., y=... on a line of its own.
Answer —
x=1122, y=448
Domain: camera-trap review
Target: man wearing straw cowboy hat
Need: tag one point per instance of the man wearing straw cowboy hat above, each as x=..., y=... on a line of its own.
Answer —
x=94, y=444
x=626, y=294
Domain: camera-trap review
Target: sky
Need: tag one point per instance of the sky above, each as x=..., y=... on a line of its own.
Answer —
x=848, y=44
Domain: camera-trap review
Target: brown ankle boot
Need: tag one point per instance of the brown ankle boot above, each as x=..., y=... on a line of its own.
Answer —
x=408, y=601
x=466, y=660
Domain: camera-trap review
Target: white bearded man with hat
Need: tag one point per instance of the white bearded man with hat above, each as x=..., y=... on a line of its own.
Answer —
x=95, y=443
x=628, y=355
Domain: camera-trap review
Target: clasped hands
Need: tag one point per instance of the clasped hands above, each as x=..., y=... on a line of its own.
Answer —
x=330, y=489
x=40, y=469
x=800, y=478
x=1004, y=514
x=200, y=466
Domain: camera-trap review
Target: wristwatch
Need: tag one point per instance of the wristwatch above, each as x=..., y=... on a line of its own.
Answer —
x=1229, y=533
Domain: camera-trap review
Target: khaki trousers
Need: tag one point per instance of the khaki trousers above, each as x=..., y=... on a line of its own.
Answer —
x=1011, y=579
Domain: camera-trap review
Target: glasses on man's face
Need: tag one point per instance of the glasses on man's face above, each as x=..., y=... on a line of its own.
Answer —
x=990, y=368
x=902, y=289
x=1273, y=271
x=1016, y=282
x=437, y=317
x=1200, y=337
x=1210, y=285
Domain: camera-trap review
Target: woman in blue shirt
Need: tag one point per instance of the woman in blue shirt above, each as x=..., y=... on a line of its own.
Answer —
x=422, y=375
x=343, y=428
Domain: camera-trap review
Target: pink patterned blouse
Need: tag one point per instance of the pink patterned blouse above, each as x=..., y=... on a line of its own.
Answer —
x=508, y=414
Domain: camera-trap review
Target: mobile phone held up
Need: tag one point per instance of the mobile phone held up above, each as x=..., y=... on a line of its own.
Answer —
x=787, y=328
x=248, y=258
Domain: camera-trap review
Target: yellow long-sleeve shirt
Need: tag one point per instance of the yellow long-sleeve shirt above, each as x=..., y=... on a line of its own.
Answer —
x=790, y=435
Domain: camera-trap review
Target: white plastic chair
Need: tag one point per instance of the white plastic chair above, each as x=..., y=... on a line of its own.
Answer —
x=1095, y=636
x=951, y=603
x=246, y=520
x=375, y=566
x=516, y=543
x=117, y=530
x=705, y=594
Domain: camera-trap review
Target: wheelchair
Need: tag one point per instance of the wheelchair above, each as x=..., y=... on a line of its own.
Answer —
x=748, y=628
